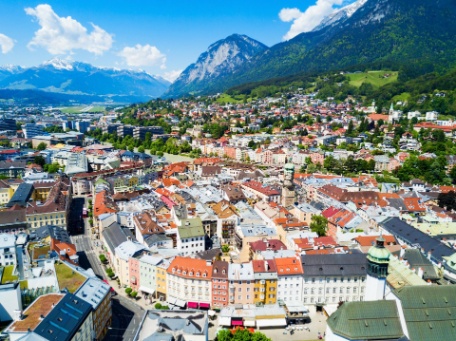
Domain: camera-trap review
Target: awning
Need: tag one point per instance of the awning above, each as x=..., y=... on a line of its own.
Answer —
x=146, y=290
x=271, y=323
x=211, y=313
x=192, y=305
x=225, y=321
x=249, y=323
x=237, y=323
x=177, y=302
x=205, y=305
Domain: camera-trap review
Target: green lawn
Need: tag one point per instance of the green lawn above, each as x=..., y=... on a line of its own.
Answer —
x=225, y=98
x=68, y=278
x=402, y=97
x=8, y=274
x=84, y=108
x=376, y=78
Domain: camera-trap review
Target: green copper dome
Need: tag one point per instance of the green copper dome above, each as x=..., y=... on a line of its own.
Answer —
x=378, y=253
x=289, y=166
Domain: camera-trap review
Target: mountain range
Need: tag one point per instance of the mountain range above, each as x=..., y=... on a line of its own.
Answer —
x=78, y=81
x=364, y=34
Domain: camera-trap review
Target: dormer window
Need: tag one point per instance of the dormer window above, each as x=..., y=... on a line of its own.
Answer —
x=197, y=274
x=223, y=271
x=174, y=270
x=204, y=275
x=215, y=270
x=191, y=273
x=184, y=272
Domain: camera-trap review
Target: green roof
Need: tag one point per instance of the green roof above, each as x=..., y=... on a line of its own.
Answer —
x=377, y=320
x=429, y=311
x=191, y=228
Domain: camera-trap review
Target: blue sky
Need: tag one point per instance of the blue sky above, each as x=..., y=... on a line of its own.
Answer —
x=161, y=37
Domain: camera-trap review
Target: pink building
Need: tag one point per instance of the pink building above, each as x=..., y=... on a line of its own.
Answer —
x=242, y=279
x=133, y=273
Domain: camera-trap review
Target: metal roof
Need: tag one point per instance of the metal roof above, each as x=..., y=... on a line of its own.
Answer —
x=63, y=322
x=376, y=320
x=429, y=311
x=350, y=264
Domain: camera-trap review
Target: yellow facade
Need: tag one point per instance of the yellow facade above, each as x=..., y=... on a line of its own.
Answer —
x=265, y=291
x=161, y=283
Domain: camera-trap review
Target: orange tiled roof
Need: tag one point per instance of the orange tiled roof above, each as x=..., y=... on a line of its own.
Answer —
x=288, y=266
x=190, y=268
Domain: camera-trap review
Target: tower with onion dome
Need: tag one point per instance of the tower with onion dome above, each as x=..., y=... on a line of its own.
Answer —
x=377, y=270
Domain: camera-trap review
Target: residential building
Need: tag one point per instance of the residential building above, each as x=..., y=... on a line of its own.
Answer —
x=191, y=236
x=220, y=284
x=290, y=280
x=7, y=249
x=265, y=287
x=122, y=255
x=98, y=294
x=10, y=300
x=190, y=280
x=242, y=279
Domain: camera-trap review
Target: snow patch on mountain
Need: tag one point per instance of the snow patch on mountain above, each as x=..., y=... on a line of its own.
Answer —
x=340, y=15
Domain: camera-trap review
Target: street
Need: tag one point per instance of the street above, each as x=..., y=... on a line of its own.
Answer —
x=126, y=315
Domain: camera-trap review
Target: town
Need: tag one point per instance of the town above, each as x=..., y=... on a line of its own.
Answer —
x=285, y=216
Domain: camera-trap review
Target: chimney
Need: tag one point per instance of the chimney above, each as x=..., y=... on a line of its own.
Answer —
x=402, y=252
x=420, y=272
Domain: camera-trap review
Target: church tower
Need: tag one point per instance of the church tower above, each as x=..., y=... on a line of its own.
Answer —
x=377, y=270
x=288, y=192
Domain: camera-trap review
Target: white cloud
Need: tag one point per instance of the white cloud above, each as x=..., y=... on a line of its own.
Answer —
x=6, y=43
x=171, y=76
x=62, y=35
x=309, y=19
x=143, y=56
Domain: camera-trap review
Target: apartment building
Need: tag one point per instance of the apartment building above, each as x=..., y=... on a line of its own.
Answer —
x=190, y=280
x=242, y=280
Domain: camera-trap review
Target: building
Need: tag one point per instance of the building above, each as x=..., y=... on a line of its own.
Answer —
x=29, y=320
x=332, y=278
x=8, y=124
x=191, y=236
x=7, y=249
x=415, y=313
x=10, y=300
x=125, y=130
x=158, y=325
x=32, y=129
x=288, y=192
x=13, y=221
x=139, y=133
x=12, y=169
x=220, y=284
x=265, y=287
x=70, y=319
x=76, y=163
x=148, y=273
x=290, y=280
x=98, y=294
x=122, y=255
x=242, y=279
x=377, y=270
x=190, y=281
x=82, y=126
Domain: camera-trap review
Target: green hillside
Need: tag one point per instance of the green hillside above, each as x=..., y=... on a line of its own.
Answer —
x=376, y=78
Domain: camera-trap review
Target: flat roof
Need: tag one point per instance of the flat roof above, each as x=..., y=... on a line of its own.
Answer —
x=32, y=315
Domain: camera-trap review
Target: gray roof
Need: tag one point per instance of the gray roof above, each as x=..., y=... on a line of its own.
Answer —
x=114, y=235
x=22, y=195
x=413, y=237
x=417, y=260
x=350, y=264
x=93, y=291
x=65, y=319
x=55, y=232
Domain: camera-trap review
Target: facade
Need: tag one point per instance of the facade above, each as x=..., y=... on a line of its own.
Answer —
x=31, y=130
x=330, y=279
x=98, y=294
x=191, y=237
x=242, y=281
x=122, y=255
x=220, y=284
x=265, y=287
x=190, y=280
x=7, y=249
x=148, y=273
x=290, y=280
x=10, y=301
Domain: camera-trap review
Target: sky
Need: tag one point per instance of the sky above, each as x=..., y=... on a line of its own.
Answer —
x=159, y=37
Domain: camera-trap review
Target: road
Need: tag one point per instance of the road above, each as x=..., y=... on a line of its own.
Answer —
x=126, y=315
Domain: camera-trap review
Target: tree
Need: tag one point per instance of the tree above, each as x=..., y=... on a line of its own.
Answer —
x=447, y=200
x=452, y=174
x=42, y=146
x=128, y=291
x=319, y=224
x=225, y=248
x=51, y=168
x=133, y=294
x=40, y=160
x=224, y=335
x=102, y=258
x=141, y=149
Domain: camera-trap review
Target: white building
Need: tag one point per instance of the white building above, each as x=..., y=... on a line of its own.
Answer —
x=7, y=249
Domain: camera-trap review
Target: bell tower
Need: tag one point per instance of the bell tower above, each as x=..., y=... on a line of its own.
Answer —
x=377, y=270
